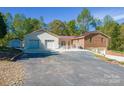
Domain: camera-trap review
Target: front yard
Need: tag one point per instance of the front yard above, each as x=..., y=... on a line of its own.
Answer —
x=68, y=68
x=11, y=73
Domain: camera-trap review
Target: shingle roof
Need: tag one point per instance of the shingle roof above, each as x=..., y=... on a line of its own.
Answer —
x=68, y=37
x=40, y=31
x=93, y=33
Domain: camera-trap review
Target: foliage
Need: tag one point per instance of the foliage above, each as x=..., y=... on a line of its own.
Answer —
x=114, y=30
x=58, y=27
x=84, y=20
x=121, y=37
x=3, y=28
x=9, y=22
x=71, y=27
x=31, y=24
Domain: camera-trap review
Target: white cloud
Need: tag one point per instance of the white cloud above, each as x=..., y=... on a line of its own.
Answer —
x=118, y=17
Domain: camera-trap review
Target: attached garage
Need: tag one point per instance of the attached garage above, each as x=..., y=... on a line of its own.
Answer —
x=50, y=44
x=40, y=41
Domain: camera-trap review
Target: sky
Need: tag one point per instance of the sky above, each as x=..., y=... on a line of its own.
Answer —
x=64, y=13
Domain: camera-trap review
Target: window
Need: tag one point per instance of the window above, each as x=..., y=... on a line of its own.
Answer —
x=102, y=40
x=62, y=43
x=90, y=40
x=49, y=40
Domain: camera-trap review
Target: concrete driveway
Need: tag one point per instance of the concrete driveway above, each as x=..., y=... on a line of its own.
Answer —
x=70, y=68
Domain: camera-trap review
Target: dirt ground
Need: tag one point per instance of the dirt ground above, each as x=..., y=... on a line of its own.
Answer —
x=11, y=73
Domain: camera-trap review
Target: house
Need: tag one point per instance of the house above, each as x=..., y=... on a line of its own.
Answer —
x=95, y=41
x=42, y=41
x=15, y=43
x=66, y=42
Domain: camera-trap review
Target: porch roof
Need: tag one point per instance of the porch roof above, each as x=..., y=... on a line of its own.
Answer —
x=67, y=37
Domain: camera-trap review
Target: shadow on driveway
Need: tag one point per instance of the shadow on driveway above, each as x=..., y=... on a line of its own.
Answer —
x=26, y=56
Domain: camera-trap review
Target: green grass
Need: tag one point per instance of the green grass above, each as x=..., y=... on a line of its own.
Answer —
x=104, y=58
x=122, y=63
x=122, y=52
x=109, y=60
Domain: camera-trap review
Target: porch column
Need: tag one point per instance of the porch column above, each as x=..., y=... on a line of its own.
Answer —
x=66, y=44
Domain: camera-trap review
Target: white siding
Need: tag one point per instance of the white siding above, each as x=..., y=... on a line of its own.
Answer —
x=41, y=37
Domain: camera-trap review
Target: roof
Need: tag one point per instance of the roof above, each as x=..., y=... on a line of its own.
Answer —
x=67, y=37
x=43, y=31
x=70, y=37
x=93, y=33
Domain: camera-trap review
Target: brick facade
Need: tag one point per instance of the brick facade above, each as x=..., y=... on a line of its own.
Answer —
x=97, y=40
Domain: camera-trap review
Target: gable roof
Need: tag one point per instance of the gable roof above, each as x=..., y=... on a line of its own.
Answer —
x=67, y=37
x=94, y=33
x=91, y=33
x=43, y=31
x=70, y=37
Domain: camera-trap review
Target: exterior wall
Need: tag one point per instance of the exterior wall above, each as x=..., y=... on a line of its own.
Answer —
x=65, y=43
x=75, y=43
x=81, y=42
x=96, y=41
x=97, y=44
x=78, y=43
x=41, y=37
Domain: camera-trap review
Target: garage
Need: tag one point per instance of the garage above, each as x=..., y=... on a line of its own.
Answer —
x=40, y=41
x=49, y=44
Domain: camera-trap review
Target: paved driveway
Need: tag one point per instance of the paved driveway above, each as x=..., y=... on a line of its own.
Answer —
x=70, y=68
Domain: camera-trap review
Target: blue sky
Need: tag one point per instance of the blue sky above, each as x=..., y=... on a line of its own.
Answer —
x=64, y=13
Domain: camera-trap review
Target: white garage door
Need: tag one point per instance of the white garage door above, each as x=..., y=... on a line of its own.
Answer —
x=50, y=44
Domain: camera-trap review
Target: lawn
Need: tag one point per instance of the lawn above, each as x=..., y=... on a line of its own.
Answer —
x=122, y=52
x=11, y=73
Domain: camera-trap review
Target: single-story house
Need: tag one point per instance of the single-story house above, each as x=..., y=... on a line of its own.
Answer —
x=40, y=41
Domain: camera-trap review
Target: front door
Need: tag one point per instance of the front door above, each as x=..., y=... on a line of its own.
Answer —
x=49, y=44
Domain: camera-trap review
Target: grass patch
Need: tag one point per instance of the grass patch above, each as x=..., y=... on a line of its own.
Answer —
x=122, y=63
x=111, y=61
x=102, y=57
x=122, y=52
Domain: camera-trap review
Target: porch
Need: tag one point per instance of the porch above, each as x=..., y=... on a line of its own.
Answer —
x=67, y=42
